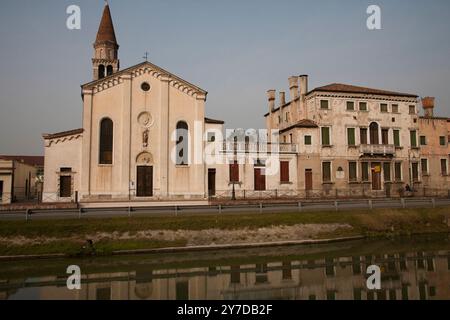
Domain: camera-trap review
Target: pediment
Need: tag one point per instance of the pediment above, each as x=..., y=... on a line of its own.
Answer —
x=140, y=69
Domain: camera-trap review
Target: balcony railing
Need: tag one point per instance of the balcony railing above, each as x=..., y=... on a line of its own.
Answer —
x=242, y=147
x=378, y=149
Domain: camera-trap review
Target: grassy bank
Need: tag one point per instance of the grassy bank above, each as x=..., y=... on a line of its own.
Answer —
x=69, y=236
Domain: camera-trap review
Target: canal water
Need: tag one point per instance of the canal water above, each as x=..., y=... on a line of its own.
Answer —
x=411, y=268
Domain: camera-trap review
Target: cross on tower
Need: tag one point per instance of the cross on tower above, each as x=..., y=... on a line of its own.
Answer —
x=146, y=56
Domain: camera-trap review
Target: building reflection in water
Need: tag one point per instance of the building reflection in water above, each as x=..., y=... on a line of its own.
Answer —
x=411, y=276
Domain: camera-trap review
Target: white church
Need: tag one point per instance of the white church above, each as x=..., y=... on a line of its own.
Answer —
x=143, y=137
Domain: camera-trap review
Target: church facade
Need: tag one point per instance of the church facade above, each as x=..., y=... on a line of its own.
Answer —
x=123, y=149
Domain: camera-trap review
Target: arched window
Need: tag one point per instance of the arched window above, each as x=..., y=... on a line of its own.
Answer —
x=374, y=138
x=106, y=141
x=109, y=70
x=101, y=71
x=182, y=144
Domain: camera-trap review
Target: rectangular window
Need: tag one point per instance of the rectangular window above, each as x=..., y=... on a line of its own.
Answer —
x=397, y=138
x=444, y=167
x=326, y=136
x=284, y=171
x=413, y=138
x=398, y=171
x=350, y=106
x=326, y=171
x=365, y=171
x=211, y=137
x=395, y=108
x=324, y=104
x=442, y=141
x=384, y=136
x=234, y=172
x=287, y=116
x=352, y=175
x=351, y=136
x=423, y=140
x=363, y=106
x=415, y=171
x=308, y=140
x=412, y=109
x=424, y=165
x=387, y=172
x=363, y=135
x=384, y=107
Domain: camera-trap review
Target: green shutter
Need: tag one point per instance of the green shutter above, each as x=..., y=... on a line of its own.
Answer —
x=413, y=138
x=325, y=136
x=351, y=136
x=397, y=138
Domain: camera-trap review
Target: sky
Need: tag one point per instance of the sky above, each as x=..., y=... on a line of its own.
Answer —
x=234, y=49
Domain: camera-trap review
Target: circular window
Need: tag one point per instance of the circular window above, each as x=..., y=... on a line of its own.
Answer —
x=145, y=87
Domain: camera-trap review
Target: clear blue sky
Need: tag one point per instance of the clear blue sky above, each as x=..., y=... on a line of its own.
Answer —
x=234, y=49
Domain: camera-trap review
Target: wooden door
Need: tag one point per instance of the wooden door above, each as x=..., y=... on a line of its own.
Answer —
x=65, y=186
x=211, y=182
x=144, y=181
x=260, y=179
x=308, y=180
x=376, y=176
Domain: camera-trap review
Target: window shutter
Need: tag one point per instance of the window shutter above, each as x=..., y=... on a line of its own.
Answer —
x=284, y=168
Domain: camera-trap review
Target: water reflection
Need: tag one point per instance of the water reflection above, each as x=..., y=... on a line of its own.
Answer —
x=314, y=273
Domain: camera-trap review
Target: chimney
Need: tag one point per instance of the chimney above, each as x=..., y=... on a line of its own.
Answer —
x=271, y=98
x=303, y=85
x=293, y=87
x=428, y=106
x=303, y=92
x=282, y=98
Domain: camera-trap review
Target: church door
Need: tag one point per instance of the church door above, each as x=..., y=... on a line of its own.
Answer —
x=145, y=181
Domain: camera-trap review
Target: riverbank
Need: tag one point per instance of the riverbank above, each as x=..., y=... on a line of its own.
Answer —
x=114, y=235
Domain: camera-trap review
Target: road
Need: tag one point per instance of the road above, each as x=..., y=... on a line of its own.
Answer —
x=306, y=206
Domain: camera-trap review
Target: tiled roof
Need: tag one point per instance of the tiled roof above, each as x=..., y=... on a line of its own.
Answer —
x=213, y=121
x=30, y=160
x=304, y=123
x=62, y=134
x=345, y=88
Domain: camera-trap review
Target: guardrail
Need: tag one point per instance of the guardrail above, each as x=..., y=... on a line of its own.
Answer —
x=253, y=208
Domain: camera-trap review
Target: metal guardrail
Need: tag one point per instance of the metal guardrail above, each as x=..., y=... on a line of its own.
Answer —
x=254, y=208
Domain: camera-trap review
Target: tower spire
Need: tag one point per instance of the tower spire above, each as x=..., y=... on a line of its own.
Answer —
x=106, y=60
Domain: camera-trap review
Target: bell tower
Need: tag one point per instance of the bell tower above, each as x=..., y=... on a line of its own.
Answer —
x=106, y=58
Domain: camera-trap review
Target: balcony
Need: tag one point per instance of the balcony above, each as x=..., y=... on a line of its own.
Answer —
x=238, y=147
x=378, y=149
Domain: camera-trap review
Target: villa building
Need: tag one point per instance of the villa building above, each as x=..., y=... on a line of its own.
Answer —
x=352, y=141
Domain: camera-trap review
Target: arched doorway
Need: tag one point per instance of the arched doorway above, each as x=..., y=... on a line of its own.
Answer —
x=374, y=136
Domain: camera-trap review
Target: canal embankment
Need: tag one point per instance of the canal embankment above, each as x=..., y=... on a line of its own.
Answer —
x=126, y=235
